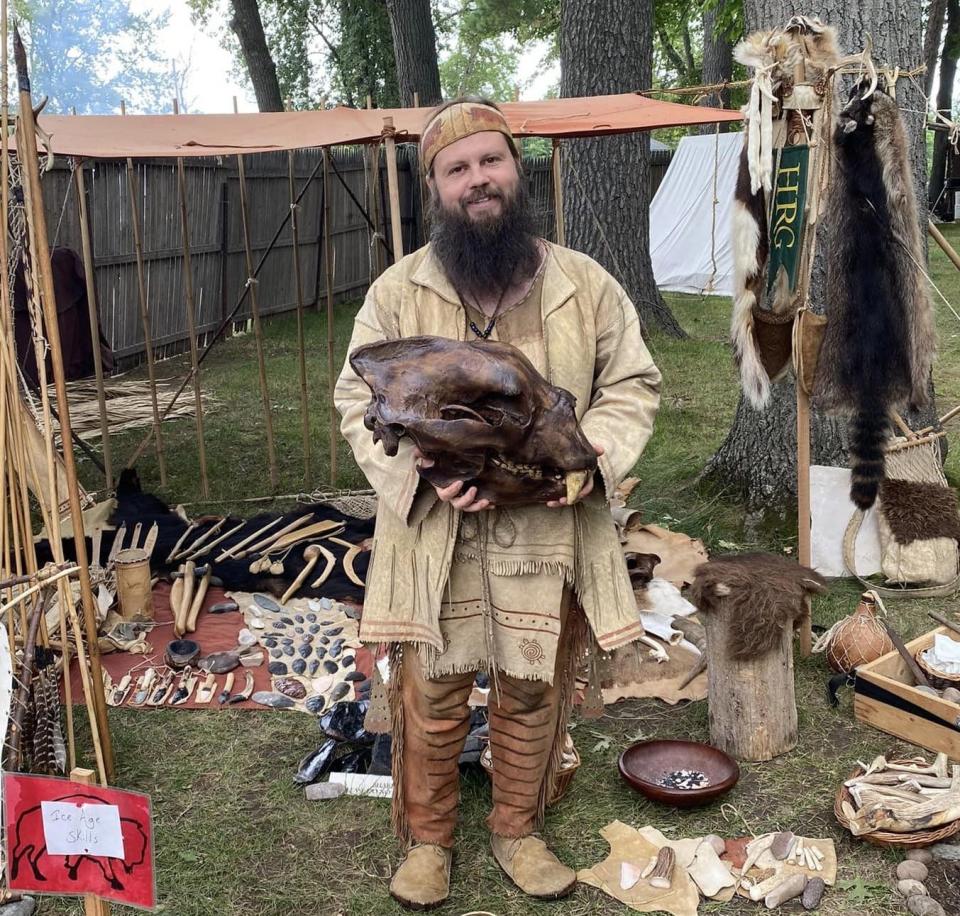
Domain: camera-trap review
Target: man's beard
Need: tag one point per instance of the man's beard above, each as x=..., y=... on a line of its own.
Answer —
x=486, y=254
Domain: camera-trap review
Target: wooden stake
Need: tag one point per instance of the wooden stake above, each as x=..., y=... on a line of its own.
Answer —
x=257, y=328
x=393, y=187
x=301, y=345
x=145, y=317
x=92, y=311
x=561, y=232
x=27, y=145
x=191, y=322
x=92, y=905
x=328, y=273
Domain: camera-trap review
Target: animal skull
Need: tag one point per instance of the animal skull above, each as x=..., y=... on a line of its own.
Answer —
x=482, y=412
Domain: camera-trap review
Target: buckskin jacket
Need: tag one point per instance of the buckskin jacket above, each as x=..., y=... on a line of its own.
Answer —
x=595, y=350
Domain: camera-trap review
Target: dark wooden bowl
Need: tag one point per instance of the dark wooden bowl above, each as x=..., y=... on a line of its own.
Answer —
x=643, y=764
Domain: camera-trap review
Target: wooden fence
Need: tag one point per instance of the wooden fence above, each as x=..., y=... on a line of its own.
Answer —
x=216, y=234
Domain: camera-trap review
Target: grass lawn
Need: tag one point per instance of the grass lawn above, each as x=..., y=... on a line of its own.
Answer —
x=234, y=836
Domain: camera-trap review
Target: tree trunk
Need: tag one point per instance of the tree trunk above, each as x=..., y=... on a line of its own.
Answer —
x=415, y=47
x=757, y=462
x=247, y=25
x=717, y=64
x=752, y=703
x=948, y=72
x=606, y=46
x=931, y=40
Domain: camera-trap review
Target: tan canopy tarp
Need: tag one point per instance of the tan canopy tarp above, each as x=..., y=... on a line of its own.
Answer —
x=147, y=136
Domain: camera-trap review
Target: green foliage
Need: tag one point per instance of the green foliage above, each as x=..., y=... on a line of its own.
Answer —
x=364, y=62
x=324, y=50
x=90, y=54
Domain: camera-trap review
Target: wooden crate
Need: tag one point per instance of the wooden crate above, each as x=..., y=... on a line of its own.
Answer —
x=885, y=699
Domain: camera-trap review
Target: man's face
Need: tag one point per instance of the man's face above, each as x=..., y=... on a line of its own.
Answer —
x=476, y=175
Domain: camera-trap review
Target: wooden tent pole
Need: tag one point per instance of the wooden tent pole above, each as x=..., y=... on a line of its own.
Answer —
x=92, y=311
x=145, y=316
x=93, y=680
x=561, y=232
x=328, y=273
x=941, y=240
x=191, y=309
x=393, y=187
x=372, y=158
x=301, y=343
x=92, y=905
x=257, y=327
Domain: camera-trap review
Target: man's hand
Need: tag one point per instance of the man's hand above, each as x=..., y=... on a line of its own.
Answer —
x=465, y=502
x=587, y=487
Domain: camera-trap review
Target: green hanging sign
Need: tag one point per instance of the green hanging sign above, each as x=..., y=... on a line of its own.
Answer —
x=787, y=214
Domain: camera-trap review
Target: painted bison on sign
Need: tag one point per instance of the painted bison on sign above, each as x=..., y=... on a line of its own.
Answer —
x=27, y=853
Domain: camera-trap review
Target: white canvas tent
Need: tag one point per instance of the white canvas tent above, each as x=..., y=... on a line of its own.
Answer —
x=683, y=227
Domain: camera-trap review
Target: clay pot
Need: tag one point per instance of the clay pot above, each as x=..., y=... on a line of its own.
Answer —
x=859, y=638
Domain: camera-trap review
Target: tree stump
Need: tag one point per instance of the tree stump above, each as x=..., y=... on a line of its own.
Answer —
x=753, y=708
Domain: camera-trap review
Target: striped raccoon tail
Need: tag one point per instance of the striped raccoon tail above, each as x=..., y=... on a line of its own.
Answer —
x=869, y=429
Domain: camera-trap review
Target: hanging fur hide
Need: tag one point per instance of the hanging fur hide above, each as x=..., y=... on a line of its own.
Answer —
x=759, y=324
x=879, y=342
x=765, y=593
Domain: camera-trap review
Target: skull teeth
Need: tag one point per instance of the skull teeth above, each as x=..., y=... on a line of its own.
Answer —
x=511, y=467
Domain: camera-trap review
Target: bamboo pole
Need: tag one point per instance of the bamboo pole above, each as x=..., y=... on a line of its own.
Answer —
x=328, y=276
x=92, y=905
x=301, y=343
x=393, y=187
x=561, y=231
x=92, y=312
x=191, y=308
x=257, y=328
x=145, y=317
x=93, y=680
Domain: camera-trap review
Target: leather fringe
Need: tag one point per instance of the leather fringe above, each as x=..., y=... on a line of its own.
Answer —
x=578, y=633
x=398, y=811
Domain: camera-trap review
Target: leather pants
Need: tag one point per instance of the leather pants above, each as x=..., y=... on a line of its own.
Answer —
x=524, y=729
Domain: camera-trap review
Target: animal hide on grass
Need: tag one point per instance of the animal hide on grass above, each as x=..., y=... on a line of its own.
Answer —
x=761, y=593
x=918, y=511
x=879, y=342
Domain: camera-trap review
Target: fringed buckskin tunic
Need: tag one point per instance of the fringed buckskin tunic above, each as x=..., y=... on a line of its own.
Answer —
x=472, y=590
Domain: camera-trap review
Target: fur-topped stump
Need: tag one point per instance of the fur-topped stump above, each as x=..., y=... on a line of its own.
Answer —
x=748, y=604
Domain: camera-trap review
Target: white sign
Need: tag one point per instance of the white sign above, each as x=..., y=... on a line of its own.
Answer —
x=82, y=830
x=365, y=784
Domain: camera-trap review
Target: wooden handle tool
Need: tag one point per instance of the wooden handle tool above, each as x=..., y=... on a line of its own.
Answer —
x=311, y=554
x=949, y=624
x=194, y=612
x=186, y=598
x=910, y=661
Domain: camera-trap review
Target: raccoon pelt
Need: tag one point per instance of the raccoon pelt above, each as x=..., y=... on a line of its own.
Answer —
x=879, y=343
x=760, y=593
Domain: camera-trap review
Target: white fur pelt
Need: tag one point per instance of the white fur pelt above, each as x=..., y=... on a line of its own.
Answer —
x=751, y=247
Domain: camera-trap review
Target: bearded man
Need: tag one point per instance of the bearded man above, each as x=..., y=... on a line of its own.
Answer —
x=456, y=585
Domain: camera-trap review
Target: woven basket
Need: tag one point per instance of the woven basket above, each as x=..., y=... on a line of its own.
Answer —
x=939, y=679
x=563, y=780
x=887, y=837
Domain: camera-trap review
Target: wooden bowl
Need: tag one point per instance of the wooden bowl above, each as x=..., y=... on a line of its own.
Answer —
x=643, y=764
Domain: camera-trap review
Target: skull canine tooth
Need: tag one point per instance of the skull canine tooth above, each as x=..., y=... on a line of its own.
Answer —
x=575, y=481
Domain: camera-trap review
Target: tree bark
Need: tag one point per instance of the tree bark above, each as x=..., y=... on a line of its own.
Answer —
x=248, y=27
x=948, y=72
x=757, y=462
x=606, y=46
x=717, y=64
x=415, y=47
x=931, y=40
